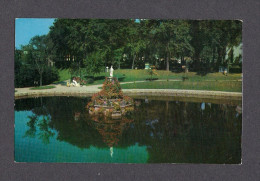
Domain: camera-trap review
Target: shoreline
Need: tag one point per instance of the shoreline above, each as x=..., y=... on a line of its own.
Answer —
x=89, y=91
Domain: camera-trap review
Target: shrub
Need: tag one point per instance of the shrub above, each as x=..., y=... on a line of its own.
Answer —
x=235, y=69
x=26, y=76
x=152, y=72
x=90, y=80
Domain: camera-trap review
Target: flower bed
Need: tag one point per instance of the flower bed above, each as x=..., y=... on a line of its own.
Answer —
x=110, y=101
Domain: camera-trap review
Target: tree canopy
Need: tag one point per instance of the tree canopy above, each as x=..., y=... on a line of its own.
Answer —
x=129, y=44
x=93, y=44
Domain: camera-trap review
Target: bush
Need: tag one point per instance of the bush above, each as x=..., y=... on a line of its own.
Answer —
x=90, y=80
x=26, y=76
x=235, y=69
x=49, y=75
x=152, y=72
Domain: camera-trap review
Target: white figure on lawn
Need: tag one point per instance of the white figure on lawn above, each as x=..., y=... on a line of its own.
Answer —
x=111, y=71
x=75, y=83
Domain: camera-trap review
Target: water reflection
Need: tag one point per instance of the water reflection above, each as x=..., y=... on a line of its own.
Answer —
x=39, y=121
x=171, y=131
x=110, y=129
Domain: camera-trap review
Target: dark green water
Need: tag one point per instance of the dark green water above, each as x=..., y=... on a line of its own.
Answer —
x=59, y=129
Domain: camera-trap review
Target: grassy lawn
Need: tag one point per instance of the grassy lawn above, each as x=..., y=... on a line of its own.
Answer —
x=210, y=81
x=43, y=87
x=230, y=86
x=64, y=74
x=135, y=75
x=129, y=75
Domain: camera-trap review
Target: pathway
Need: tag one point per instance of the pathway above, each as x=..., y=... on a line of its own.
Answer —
x=62, y=90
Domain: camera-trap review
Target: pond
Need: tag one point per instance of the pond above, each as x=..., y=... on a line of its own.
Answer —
x=60, y=129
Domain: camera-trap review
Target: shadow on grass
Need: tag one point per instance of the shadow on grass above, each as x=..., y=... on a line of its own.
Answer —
x=177, y=70
x=95, y=78
x=60, y=82
x=120, y=79
x=151, y=79
x=99, y=78
x=91, y=79
x=202, y=73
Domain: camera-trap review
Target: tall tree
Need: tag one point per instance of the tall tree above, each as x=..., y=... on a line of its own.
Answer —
x=38, y=48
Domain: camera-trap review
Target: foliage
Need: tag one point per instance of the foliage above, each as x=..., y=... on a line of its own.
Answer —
x=128, y=44
x=87, y=46
x=31, y=64
x=92, y=42
x=64, y=74
x=211, y=39
x=94, y=63
x=152, y=71
x=26, y=73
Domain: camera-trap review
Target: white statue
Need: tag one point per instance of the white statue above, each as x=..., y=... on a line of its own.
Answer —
x=75, y=83
x=111, y=71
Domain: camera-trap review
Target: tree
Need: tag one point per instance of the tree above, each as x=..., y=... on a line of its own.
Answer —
x=94, y=62
x=135, y=41
x=147, y=41
x=38, y=49
x=31, y=64
x=173, y=39
x=212, y=38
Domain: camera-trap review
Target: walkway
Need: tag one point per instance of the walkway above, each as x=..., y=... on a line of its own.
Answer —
x=61, y=90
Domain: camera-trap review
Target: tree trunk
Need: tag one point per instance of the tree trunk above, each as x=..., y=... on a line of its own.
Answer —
x=167, y=58
x=182, y=60
x=167, y=63
x=213, y=59
x=223, y=55
x=40, y=79
x=219, y=59
x=133, y=63
x=196, y=61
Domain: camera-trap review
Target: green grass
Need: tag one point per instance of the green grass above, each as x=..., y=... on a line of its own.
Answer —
x=210, y=81
x=230, y=86
x=136, y=75
x=43, y=87
x=64, y=74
